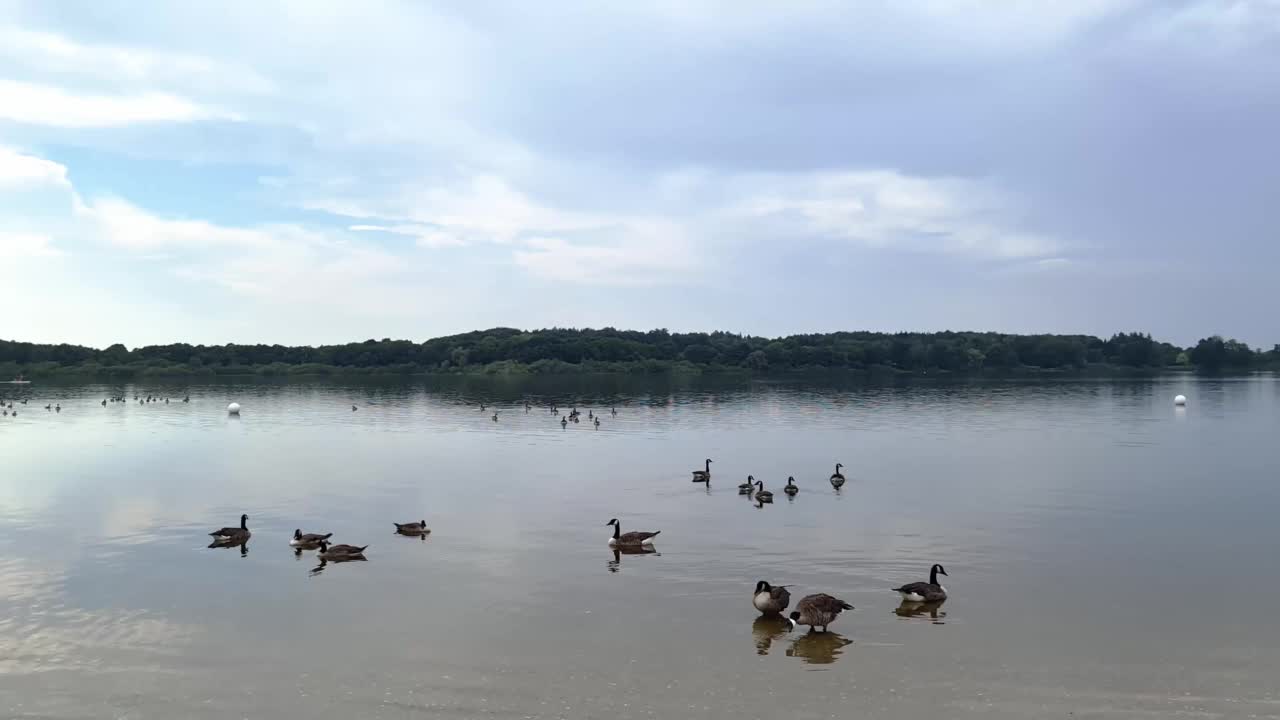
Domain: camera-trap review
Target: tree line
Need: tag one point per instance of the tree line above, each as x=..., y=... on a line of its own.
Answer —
x=607, y=349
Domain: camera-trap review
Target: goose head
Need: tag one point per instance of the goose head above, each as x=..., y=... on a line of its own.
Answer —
x=793, y=619
x=297, y=534
x=611, y=522
x=763, y=586
x=939, y=569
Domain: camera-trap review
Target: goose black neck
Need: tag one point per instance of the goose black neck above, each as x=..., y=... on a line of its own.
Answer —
x=933, y=575
x=244, y=523
x=617, y=530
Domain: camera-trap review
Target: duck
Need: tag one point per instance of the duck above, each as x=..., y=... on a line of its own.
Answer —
x=817, y=611
x=747, y=487
x=925, y=591
x=762, y=495
x=237, y=534
x=836, y=478
x=631, y=539
x=791, y=488
x=308, y=540
x=703, y=475
x=770, y=600
x=338, y=553
x=413, y=528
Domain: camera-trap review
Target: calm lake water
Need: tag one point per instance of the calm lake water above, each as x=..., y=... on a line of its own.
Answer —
x=1110, y=556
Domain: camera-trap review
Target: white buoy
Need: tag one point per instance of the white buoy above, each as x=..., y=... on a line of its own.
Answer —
x=1180, y=400
x=234, y=408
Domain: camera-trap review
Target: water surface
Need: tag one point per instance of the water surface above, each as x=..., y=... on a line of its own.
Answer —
x=1110, y=556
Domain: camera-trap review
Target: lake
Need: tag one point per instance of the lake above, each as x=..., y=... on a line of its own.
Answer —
x=1109, y=555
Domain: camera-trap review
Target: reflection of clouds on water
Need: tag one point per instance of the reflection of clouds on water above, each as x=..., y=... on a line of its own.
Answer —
x=765, y=630
x=931, y=611
x=39, y=631
x=818, y=648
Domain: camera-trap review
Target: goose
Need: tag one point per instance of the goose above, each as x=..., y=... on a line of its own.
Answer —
x=482, y=408
x=762, y=495
x=104, y=402
x=631, y=539
x=413, y=528
x=597, y=423
x=237, y=534
x=166, y=401
x=836, y=478
x=818, y=611
x=48, y=407
x=589, y=414
x=925, y=591
x=354, y=408
x=770, y=600
x=614, y=410
x=747, y=487
x=308, y=540
x=338, y=553
x=563, y=421
x=791, y=488
x=186, y=399
x=703, y=475
x=57, y=408
x=495, y=417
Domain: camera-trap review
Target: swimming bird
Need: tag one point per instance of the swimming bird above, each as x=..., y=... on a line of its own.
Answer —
x=308, y=540
x=791, y=488
x=597, y=421
x=762, y=495
x=836, y=478
x=338, y=553
x=563, y=422
x=818, y=611
x=354, y=408
x=104, y=402
x=412, y=528
x=631, y=539
x=614, y=411
x=482, y=408
x=925, y=591
x=770, y=600
x=747, y=487
x=703, y=475
x=238, y=534
x=186, y=399
x=48, y=407
x=495, y=417
x=58, y=407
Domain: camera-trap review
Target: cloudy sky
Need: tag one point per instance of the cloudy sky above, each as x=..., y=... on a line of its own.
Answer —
x=305, y=172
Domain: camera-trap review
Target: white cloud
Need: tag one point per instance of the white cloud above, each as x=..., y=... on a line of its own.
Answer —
x=425, y=236
x=641, y=253
x=19, y=169
x=45, y=105
x=16, y=245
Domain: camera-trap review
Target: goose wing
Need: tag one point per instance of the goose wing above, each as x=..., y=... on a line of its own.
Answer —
x=314, y=537
x=636, y=536
x=345, y=550
x=228, y=532
x=822, y=604
x=781, y=595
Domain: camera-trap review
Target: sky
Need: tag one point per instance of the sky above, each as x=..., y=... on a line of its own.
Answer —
x=308, y=173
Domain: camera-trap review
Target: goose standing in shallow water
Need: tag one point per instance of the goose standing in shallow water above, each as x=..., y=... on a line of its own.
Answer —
x=308, y=540
x=762, y=495
x=413, y=528
x=563, y=421
x=818, y=611
x=791, y=488
x=836, y=478
x=747, y=487
x=631, y=539
x=233, y=534
x=928, y=592
x=703, y=475
x=770, y=600
x=339, y=553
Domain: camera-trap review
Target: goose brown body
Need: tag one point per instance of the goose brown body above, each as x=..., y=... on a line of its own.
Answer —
x=818, y=611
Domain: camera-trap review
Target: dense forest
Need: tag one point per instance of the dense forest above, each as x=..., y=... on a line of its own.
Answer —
x=505, y=350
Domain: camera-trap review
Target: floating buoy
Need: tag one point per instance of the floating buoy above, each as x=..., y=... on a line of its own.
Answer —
x=234, y=408
x=1180, y=400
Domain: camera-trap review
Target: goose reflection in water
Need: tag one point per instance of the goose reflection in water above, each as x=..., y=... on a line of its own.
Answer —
x=818, y=648
x=765, y=630
x=225, y=543
x=619, y=550
x=931, y=610
x=325, y=563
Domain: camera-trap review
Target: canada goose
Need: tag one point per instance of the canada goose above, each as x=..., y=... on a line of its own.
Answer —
x=770, y=600
x=747, y=487
x=636, y=537
x=309, y=540
x=818, y=611
x=563, y=421
x=836, y=478
x=597, y=421
x=48, y=407
x=703, y=475
x=234, y=533
x=614, y=411
x=791, y=488
x=495, y=417
x=186, y=399
x=354, y=408
x=762, y=495
x=166, y=401
x=589, y=414
x=57, y=408
x=338, y=553
x=925, y=592
x=104, y=402
x=412, y=528
x=482, y=408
